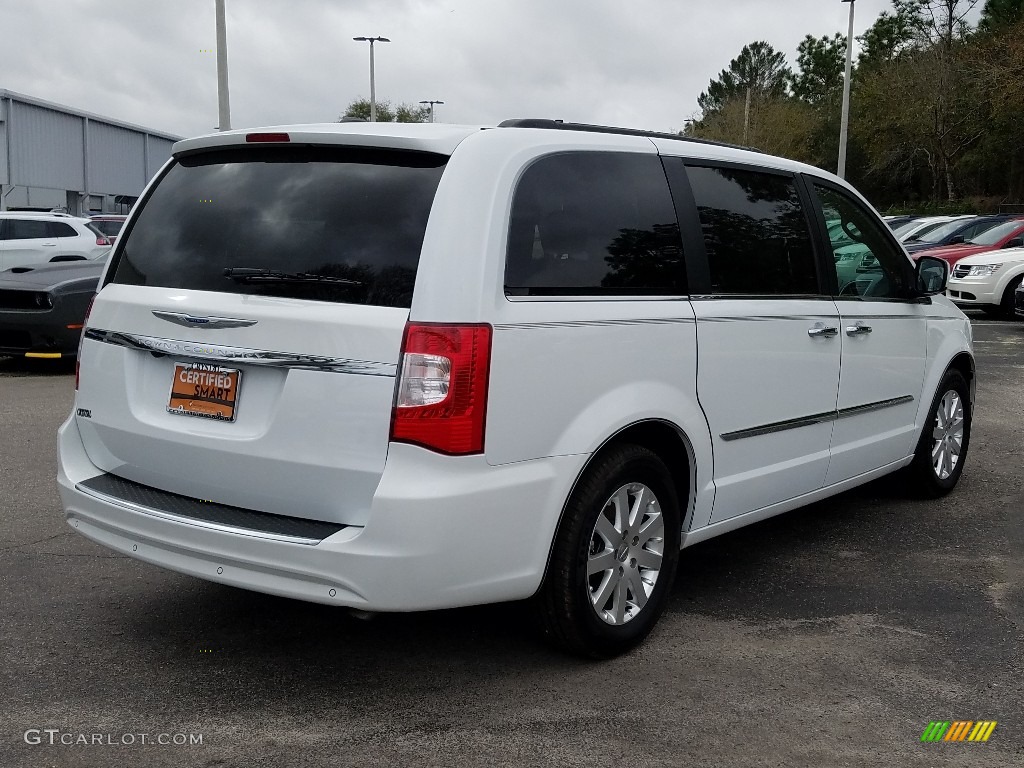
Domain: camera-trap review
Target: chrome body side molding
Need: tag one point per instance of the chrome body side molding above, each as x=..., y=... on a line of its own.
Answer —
x=817, y=418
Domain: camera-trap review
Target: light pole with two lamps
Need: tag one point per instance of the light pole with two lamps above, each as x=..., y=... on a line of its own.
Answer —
x=431, y=103
x=373, y=93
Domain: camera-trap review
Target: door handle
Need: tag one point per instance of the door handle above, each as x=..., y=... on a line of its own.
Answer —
x=857, y=329
x=49, y=245
x=820, y=329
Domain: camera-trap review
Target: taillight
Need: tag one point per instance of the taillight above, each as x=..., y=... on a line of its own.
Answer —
x=85, y=322
x=441, y=401
x=103, y=241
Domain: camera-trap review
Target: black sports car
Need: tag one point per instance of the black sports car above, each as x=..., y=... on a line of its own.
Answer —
x=42, y=308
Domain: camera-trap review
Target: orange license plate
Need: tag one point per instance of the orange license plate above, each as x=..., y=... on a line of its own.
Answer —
x=204, y=390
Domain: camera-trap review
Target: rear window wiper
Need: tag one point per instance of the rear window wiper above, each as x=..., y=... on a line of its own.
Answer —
x=253, y=275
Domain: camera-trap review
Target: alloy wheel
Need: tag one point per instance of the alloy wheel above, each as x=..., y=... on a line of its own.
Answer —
x=626, y=552
x=947, y=435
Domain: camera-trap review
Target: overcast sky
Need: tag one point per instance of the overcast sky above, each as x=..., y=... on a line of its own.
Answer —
x=634, y=63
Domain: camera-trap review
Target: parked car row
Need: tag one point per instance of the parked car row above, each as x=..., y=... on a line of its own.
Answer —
x=35, y=238
x=43, y=307
x=985, y=255
x=50, y=264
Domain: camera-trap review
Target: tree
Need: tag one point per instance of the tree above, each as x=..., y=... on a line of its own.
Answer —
x=890, y=35
x=779, y=126
x=999, y=14
x=821, y=64
x=403, y=113
x=407, y=113
x=942, y=22
x=759, y=67
x=996, y=69
x=913, y=99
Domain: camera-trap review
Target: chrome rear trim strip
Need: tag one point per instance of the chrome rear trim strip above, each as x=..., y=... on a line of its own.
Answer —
x=223, y=354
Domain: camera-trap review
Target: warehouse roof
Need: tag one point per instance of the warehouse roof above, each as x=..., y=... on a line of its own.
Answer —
x=4, y=94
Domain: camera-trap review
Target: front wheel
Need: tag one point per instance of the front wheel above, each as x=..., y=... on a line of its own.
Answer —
x=942, y=448
x=615, y=555
x=1006, y=306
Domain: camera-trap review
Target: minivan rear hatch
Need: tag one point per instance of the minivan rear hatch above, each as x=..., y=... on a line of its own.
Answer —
x=244, y=346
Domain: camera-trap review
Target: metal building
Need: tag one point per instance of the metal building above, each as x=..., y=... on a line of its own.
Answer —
x=53, y=156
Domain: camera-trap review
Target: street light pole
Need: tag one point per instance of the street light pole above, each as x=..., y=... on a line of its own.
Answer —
x=844, y=125
x=223, y=100
x=432, y=103
x=373, y=92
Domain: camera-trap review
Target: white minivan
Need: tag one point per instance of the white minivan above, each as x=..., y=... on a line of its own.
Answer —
x=406, y=367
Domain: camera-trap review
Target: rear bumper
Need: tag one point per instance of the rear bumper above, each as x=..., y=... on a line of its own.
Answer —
x=442, y=532
x=42, y=333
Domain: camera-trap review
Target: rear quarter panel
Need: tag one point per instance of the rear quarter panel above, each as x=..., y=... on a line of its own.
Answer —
x=566, y=374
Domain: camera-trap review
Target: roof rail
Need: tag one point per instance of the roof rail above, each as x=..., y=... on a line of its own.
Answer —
x=41, y=213
x=540, y=122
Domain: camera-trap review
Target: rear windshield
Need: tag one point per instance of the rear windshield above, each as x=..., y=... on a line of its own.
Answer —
x=106, y=226
x=345, y=213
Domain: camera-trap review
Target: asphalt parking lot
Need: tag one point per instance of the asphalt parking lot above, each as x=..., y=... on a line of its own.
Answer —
x=830, y=636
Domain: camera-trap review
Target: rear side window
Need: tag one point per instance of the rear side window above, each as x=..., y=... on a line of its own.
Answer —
x=755, y=231
x=353, y=214
x=60, y=229
x=594, y=223
x=27, y=229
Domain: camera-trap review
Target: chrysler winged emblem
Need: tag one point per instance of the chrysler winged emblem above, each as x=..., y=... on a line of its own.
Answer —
x=196, y=321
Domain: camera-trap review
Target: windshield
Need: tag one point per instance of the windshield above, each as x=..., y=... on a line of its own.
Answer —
x=902, y=229
x=357, y=214
x=921, y=230
x=994, y=235
x=941, y=232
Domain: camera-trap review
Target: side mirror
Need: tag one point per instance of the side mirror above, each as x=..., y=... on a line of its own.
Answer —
x=956, y=239
x=1016, y=242
x=932, y=274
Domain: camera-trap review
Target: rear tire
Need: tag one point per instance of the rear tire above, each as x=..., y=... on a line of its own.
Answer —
x=942, y=448
x=614, y=557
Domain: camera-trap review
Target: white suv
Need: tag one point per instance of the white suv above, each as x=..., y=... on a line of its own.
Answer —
x=404, y=367
x=988, y=281
x=28, y=238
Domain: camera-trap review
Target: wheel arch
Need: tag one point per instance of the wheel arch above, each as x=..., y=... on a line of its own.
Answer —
x=666, y=439
x=1009, y=283
x=964, y=363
